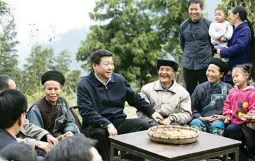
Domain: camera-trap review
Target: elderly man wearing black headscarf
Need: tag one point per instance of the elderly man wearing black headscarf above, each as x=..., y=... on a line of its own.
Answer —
x=166, y=96
x=52, y=111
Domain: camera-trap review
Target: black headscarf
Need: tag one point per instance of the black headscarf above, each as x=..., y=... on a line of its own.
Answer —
x=53, y=75
x=164, y=62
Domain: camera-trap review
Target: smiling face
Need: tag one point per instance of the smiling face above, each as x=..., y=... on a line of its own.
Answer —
x=166, y=75
x=195, y=11
x=213, y=74
x=104, y=69
x=52, y=90
x=220, y=16
x=240, y=78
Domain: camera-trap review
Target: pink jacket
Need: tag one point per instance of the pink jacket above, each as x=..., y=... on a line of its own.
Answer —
x=239, y=99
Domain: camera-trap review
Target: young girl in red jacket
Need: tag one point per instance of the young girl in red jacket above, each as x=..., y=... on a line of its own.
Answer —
x=239, y=108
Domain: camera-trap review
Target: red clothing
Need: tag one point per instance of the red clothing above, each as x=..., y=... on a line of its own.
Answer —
x=239, y=99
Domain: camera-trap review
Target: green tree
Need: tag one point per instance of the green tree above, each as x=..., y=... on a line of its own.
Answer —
x=62, y=62
x=167, y=15
x=127, y=30
x=72, y=79
x=4, y=9
x=8, y=52
x=38, y=62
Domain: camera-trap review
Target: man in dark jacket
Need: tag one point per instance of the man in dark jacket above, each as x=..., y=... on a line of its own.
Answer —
x=12, y=116
x=30, y=134
x=196, y=46
x=101, y=99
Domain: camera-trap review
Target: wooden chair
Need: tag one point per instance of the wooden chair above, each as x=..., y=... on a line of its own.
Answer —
x=75, y=115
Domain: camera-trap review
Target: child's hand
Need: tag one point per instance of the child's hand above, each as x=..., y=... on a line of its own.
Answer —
x=227, y=120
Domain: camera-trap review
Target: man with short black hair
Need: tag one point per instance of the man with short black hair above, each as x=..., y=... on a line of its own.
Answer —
x=13, y=106
x=101, y=100
x=196, y=45
x=75, y=148
x=30, y=134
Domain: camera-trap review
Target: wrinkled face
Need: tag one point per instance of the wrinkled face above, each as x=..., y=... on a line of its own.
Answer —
x=104, y=69
x=240, y=78
x=95, y=155
x=195, y=12
x=52, y=90
x=213, y=74
x=233, y=18
x=166, y=75
x=11, y=84
x=220, y=16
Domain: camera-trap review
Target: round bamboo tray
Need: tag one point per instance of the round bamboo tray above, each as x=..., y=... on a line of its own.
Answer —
x=173, y=134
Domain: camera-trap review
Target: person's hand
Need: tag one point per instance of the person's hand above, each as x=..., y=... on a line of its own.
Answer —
x=51, y=139
x=219, y=117
x=44, y=145
x=112, y=130
x=222, y=39
x=218, y=51
x=68, y=134
x=156, y=117
x=166, y=121
x=207, y=119
x=227, y=120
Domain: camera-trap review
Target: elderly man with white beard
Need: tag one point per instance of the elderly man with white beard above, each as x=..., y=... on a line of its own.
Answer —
x=167, y=97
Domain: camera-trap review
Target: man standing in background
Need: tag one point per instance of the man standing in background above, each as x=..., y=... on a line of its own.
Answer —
x=196, y=46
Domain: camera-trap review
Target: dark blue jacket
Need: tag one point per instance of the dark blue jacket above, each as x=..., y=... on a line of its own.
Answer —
x=5, y=138
x=100, y=105
x=203, y=96
x=239, y=47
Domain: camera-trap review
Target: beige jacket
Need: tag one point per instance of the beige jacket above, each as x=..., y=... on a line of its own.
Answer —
x=174, y=103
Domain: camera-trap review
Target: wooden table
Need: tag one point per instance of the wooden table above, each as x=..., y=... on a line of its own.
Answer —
x=139, y=144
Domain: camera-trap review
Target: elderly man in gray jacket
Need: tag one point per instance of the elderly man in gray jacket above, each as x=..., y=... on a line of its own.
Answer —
x=166, y=96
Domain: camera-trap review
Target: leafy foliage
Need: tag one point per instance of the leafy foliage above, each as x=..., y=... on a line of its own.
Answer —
x=135, y=31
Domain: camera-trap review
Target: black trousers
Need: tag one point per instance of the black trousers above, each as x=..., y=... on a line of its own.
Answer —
x=249, y=137
x=122, y=126
x=193, y=77
x=234, y=131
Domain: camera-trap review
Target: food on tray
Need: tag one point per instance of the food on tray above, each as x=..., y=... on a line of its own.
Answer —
x=173, y=134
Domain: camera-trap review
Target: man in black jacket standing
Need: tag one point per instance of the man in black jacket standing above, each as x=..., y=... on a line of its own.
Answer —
x=101, y=99
x=196, y=46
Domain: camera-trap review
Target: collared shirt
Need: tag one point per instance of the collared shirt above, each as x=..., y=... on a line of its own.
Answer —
x=102, y=81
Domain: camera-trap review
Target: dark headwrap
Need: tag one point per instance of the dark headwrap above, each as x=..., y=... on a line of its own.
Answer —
x=218, y=62
x=164, y=62
x=53, y=75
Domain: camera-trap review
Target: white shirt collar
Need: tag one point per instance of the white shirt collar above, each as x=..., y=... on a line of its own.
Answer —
x=101, y=80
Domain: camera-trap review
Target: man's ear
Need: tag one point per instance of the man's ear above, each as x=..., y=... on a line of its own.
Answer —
x=21, y=119
x=221, y=74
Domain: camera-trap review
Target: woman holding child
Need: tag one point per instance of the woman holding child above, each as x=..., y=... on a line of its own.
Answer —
x=240, y=47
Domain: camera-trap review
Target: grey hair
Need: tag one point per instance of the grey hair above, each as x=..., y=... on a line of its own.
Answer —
x=4, y=82
x=45, y=84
